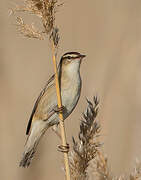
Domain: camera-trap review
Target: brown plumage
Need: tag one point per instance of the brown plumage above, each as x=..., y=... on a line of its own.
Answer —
x=43, y=115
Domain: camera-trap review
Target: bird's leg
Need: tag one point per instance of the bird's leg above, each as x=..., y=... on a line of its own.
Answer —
x=56, y=109
x=55, y=130
x=61, y=148
x=51, y=113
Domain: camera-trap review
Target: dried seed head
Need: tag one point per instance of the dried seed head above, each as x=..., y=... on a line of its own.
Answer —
x=54, y=36
x=28, y=30
x=86, y=148
x=45, y=9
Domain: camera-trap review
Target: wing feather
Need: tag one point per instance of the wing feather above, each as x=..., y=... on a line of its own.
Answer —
x=37, y=102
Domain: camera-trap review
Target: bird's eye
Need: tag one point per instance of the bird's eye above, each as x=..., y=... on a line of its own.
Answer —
x=69, y=57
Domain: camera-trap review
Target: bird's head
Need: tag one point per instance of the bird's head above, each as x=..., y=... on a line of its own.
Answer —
x=71, y=61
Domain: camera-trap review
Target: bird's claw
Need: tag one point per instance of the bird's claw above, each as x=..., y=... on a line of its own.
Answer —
x=64, y=149
x=59, y=109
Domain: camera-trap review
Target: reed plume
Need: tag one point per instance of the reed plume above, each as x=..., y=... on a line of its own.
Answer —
x=86, y=148
x=87, y=160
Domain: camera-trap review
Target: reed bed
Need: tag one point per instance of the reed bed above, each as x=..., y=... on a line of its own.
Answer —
x=86, y=152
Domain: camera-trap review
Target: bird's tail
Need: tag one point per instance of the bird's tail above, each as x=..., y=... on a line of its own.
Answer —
x=37, y=131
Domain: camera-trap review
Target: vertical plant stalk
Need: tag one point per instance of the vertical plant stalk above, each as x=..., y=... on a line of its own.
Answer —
x=62, y=127
x=46, y=9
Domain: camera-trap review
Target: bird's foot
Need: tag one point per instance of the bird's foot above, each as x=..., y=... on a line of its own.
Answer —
x=61, y=148
x=64, y=149
x=59, y=109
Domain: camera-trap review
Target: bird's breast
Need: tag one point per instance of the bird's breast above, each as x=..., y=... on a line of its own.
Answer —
x=70, y=92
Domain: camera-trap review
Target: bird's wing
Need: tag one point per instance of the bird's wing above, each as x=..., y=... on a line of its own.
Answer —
x=37, y=102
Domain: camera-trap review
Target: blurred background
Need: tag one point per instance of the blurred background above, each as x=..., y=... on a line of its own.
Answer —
x=109, y=33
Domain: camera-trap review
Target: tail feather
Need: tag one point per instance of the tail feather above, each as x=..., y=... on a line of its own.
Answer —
x=27, y=157
x=37, y=131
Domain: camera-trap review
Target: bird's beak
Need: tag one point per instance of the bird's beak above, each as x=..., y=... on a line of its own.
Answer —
x=82, y=56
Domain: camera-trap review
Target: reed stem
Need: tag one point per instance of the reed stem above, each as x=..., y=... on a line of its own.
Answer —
x=62, y=126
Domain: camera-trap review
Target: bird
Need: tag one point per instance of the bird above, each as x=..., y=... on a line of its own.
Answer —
x=45, y=111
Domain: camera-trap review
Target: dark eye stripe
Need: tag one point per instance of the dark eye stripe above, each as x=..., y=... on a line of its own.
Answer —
x=71, y=57
x=72, y=53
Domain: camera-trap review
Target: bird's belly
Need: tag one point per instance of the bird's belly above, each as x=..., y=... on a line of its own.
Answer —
x=70, y=95
x=70, y=98
x=69, y=101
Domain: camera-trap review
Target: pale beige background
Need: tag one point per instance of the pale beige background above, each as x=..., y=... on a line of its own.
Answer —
x=109, y=32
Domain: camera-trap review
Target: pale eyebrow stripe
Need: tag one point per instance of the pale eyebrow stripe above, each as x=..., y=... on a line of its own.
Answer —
x=72, y=56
